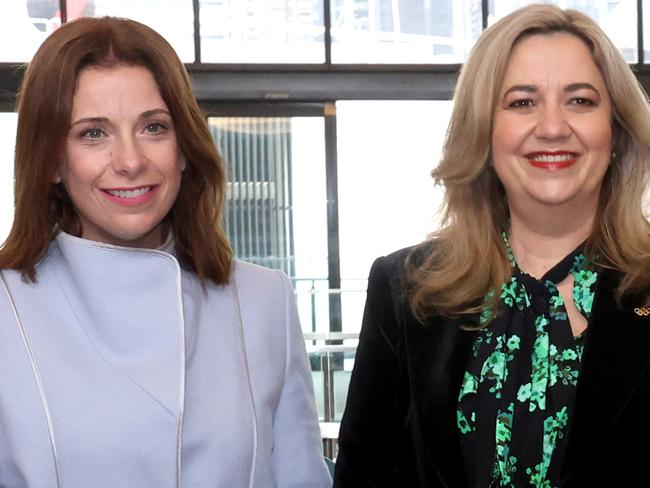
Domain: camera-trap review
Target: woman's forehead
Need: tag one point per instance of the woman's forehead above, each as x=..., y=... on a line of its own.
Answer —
x=550, y=61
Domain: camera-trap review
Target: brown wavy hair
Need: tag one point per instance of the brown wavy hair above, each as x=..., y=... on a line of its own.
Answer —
x=460, y=263
x=44, y=108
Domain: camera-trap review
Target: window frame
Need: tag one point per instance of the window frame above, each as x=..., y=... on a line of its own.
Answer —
x=318, y=82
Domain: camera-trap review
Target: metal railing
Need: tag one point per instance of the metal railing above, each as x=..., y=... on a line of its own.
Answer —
x=313, y=314
x=332, y=354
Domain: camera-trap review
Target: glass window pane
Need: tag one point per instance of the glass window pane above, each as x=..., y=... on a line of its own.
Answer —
x=276, y=207
x=387, y=198
x=404, y=31
x=173, y=19
x=23, y=27
x=8, y=121
x=617, y=18
x=262, y=31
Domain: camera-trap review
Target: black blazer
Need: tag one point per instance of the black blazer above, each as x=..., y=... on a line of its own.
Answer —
x=399, y=426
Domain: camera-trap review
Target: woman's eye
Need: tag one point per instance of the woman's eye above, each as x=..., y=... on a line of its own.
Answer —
x=582, y=101
x=155, y=128
x=92, y=133
x=522, y=103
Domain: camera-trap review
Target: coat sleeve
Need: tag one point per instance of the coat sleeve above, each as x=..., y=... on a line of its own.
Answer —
x=367, y=442
x=298, y=449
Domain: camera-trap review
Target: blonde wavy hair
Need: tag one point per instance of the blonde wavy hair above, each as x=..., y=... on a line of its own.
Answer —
x=458, y=265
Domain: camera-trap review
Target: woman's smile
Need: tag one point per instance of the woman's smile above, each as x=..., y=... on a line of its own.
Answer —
x=552, y=160
x=131, y=197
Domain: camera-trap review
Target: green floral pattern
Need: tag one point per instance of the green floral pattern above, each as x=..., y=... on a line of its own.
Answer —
x=522, y=374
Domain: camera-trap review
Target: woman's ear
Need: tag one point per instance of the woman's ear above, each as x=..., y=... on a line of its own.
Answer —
x=57, y=178
x=182, y=161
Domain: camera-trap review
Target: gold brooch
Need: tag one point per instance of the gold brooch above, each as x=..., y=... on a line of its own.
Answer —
x=642, y=311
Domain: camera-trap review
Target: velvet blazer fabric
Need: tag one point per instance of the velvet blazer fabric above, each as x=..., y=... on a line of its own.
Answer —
x=399, y=427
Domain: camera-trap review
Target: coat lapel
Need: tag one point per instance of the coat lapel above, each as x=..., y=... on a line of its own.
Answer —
x=610, y=370
x=437, y=354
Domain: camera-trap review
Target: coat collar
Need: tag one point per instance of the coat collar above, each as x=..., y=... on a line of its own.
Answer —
x=142, y=338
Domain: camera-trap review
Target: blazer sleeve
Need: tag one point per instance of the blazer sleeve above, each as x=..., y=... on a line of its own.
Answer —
x=367, y=437
x=298, y=450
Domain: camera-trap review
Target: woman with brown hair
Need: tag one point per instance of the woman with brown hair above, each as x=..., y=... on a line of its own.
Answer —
x=136, y=352
x=511, y=348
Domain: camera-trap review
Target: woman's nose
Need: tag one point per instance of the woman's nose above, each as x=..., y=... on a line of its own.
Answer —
x=552, y=123
x=127, y=157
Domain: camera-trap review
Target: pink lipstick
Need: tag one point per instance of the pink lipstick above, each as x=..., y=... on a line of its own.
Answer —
x=130, y=196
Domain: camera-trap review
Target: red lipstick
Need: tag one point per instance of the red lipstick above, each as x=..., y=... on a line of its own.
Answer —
x=552, y=160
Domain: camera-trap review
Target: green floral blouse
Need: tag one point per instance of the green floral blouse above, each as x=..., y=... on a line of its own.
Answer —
x=516, y=398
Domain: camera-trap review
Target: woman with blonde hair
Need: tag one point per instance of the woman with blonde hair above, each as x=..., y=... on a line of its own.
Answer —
x=134, y=350
x=512, y=347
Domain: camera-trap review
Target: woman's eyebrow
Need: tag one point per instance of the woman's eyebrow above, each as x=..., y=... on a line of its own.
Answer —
x=143, y=115
x=523, y=88
x=579, y=86
x=571, y=87
x=152, y=112
x=94, y=120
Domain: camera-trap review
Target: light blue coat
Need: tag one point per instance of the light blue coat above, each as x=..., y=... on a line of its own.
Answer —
x=118, y=370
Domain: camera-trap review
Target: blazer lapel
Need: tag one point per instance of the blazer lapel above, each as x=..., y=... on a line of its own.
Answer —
x=610, y=370
x=437, y=354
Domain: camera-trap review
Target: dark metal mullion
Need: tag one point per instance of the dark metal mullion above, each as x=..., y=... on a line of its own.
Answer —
x=256, y=135
x=279, y=195
x=63, y=9
x=224, y=145
x=217, y=138
x=327, y=22
x=291, y=264
x=285, y=195
x=274, y=221
x=485, y=11
x=227, y=148
x=250, y=196
x=239, y=158
x=639, y=29
x=225, y=218
x=197, y=30
x=281, y=158
x=265, y=187
x=333, y=247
